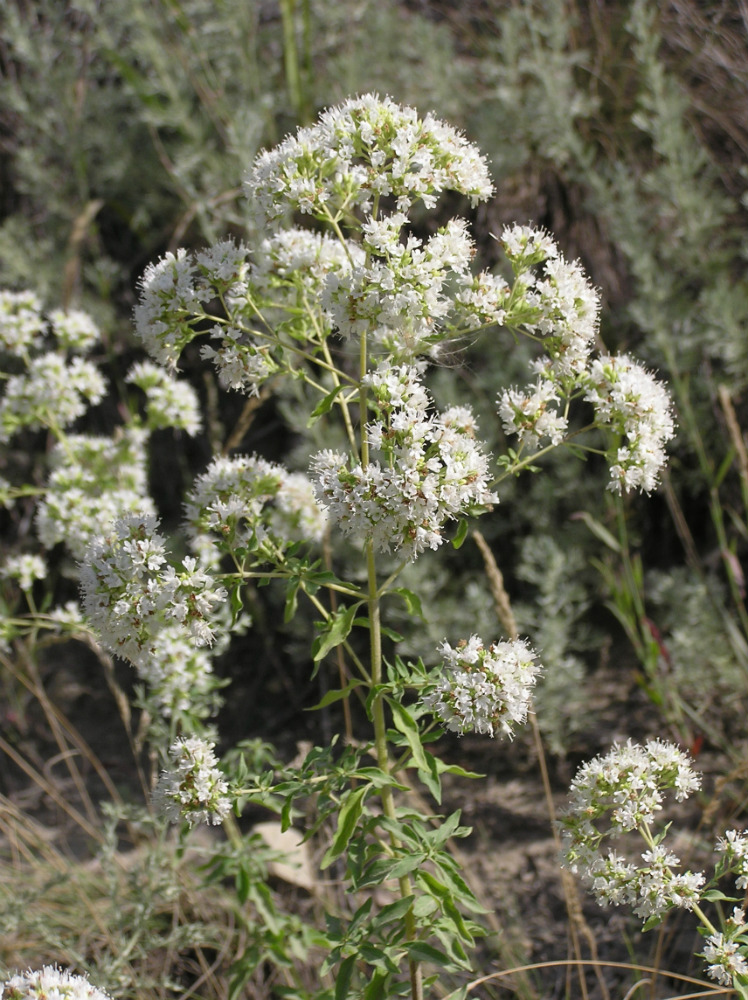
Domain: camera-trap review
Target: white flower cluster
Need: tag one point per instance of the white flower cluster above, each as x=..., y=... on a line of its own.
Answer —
x=636, y=408
x=726, y=953
x=67, y=617
x=130, y=593
x=558, y=303
x=525, y=246
x=366, y=148
x=433, y=469
x=169, y=299
x=21, y=322
x=553, y=301
x=484, y=690
x=483, y=300
x=171, y=309
x=178, y=674
x=169, y=403
x=74, y=330
x=615, y=794
x=51, y=393
x=240, y=363
x=193, y=789
x=249, y=502
x=527, y=414
x=224, y=267
x=93, y=481
x=293, y=264
x=25, y=569
x=734, y=846
x=399, y=294
x=50, y=983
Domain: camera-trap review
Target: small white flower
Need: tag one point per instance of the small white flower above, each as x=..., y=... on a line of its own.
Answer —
x=25, y=569
x=400, y=294
x=248, y=501
x=366, y=147
x=74, y=329
x=617, y=793
x=170, y=403
x=193, y=789
x=726, y=958
x=130, y=593
x=224, y=264
x=52, y=392
x=432, y=470
x=528, y=414
x=169, y=299
x=50, y=983
x=525, y=246
x=241, y=364
x=21, y=322
x=638, y=411
x=93, y=481
x=484, y=690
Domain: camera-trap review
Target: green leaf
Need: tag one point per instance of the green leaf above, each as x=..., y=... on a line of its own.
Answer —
x=715, y=896
x=448, y=827
x=458, y=994
x=455, y=769
x=336, y=630
x=653, y=921
x=460, y=535
x=378, y=778
x=235, y=599
x=599, y=531
x=376, y=988
x=350, y=813
x=393, y=911
x=324, y=405
x=430, y=777
x=424, y=906
x=419, y=951
x=391, y=634
x=242, y=885
x=337, y=695
x=360, y=915
x=343, y=978
x=292, y=592
x=406, y=724
x=412, y=602
x=376, y=873
x=406, y=865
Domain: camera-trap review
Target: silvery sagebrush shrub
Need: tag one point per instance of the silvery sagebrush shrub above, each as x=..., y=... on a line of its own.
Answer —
x=654, y=177
x=355, y=308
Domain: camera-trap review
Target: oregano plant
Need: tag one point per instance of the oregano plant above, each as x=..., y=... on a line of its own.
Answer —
x=353, y=294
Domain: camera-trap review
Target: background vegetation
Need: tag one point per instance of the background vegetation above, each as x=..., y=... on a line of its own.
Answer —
x=125, y=130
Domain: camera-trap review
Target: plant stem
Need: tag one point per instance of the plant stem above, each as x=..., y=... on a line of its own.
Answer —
x=291, y=56
x=380, y=743
x=377, y=705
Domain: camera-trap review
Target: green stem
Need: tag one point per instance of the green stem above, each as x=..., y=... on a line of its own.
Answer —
x=291, y=56
x=273, y=575
x=383, y=758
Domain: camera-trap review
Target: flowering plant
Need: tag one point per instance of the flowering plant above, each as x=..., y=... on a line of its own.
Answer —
x=354, y=311
x=50, y=982
x=620, y=793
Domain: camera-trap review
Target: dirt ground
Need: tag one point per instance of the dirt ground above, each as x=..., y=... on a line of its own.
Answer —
x=510, y=859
